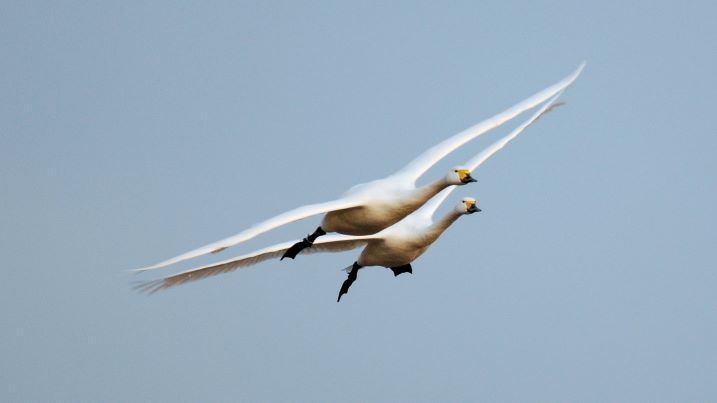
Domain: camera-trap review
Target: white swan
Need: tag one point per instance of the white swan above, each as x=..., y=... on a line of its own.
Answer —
x=370, y=207
x=395, y=247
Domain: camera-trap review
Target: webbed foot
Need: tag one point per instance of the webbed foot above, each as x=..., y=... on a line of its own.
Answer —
x=303, y=244
x=406, y=268
x=296, y=248
x=350, y=280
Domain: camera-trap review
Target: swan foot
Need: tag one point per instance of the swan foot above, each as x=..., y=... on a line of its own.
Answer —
x=303, y=244
x=350, y=280
x=406, y=268
x=296, y=248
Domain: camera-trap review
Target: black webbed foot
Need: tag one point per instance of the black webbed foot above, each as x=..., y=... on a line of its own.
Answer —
x=406, y=268
x=350, y=280
x=296, y=248
x=303, y=244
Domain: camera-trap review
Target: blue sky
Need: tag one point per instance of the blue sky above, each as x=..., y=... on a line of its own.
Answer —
x=132, y=132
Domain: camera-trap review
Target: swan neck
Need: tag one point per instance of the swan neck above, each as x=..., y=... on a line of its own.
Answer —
x=426, y=192
x=441, y=225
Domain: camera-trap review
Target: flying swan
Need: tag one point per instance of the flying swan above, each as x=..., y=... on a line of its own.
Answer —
x=371, y=207
x=395, y=247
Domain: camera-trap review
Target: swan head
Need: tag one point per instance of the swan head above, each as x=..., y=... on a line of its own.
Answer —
x=459, y=176
x=468, y=205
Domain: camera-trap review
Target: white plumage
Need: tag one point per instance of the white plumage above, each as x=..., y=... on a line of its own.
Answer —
x=371, y=207
x=395, y=246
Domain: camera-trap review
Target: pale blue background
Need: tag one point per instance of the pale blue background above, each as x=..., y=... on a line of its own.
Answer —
x=132, y=132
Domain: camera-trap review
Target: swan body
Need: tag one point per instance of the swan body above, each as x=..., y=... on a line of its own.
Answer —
x=371, y=207
x=383, y=203
x=402, y=245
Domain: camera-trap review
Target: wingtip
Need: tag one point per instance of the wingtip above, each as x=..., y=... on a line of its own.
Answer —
x=577, y=72
x=148, y=287
x=152, y=267
x=563, y=85
x=581, y=67
x=140, y=270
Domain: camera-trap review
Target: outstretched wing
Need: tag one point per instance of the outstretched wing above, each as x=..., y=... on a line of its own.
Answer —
x=483, y=156
x=432, y=205
x=330, y=243
x=430, y=157
x=264, y=226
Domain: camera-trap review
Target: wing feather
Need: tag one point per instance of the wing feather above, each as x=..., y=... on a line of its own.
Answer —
x=432, y=205
x=430, y=157
x=264, y=226
x=327, y=244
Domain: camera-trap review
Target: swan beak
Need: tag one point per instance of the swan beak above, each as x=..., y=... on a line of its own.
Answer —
x=473, y=209
x=468, y=179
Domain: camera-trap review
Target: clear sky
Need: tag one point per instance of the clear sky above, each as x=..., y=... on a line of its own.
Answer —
x=131, y=132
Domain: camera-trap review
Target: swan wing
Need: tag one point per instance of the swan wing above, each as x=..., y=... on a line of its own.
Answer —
x=327, y=244
x=430, y=157
x=483, y=156
x=431, y=206
x=264, y=226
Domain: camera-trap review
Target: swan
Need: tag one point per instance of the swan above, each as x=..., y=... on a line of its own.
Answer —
x=371, y=207
x=395, y=247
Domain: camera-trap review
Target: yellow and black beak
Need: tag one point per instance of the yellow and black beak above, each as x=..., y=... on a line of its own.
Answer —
x=471, y=207
x=465, y=176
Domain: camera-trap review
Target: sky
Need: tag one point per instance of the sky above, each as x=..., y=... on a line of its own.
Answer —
x=134, y=131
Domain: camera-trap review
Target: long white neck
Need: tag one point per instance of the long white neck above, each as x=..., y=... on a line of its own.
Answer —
x=426, y=192
x=432, y=205
x=438, y=227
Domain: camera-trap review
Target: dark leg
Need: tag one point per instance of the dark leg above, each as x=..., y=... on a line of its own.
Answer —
x=350, y=280
x=406, y=268
x=303, y=244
